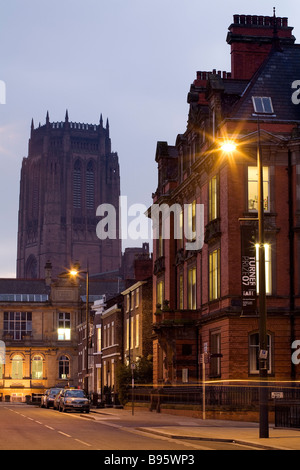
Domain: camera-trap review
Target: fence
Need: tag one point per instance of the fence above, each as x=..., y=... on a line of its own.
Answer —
x=230, y=396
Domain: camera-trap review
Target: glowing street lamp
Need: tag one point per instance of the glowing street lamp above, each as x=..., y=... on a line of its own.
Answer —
x=229, y=147
x=74, y=272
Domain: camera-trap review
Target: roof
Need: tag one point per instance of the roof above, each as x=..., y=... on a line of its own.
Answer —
x=273, y=79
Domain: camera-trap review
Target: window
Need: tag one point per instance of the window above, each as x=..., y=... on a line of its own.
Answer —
x=137, y=298
x=262, y=104
x=268, y=268
x=90, y=186
x=192, y=288
x=77, y=185
x=181, y=291
x=191, y=221
x=160, y=293
x=213, y=199
x=215, y=348
x=17, y=368
x=17, y=324
x=254, y=353
x=214, y=275
x=37, y=368
x=64, y=327
x=64, y=367
x=253, y=188
x=127, y=333
x=137, y=330
x=99, y=345
x=113, y=333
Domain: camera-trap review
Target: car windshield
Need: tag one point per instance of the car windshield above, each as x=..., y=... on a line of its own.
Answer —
x=75, y=393
x=54, y=392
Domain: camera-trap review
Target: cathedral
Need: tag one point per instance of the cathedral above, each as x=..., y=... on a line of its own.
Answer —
x=70, y=170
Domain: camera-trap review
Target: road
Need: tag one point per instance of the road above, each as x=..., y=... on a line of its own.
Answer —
x=31, y=428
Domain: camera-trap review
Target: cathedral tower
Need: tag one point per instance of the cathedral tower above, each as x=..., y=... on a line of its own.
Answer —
x=70, y=170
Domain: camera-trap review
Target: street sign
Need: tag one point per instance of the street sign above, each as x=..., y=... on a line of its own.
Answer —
x=277, y=394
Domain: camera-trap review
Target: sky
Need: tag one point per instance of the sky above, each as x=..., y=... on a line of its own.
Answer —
x=131, y=60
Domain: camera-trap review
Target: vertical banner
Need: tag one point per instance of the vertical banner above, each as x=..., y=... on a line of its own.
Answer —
x=249, y=296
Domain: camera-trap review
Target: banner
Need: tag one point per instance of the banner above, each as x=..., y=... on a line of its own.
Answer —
x=249, y=296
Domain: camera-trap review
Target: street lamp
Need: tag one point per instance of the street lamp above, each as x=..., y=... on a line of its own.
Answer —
x=74, y=272
x=230, y=147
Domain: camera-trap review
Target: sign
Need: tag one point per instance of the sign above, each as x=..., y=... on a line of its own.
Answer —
x=249, y=296
x=277, y=395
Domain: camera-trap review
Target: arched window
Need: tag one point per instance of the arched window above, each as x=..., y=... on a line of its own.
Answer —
x=17, y=367
x=90, y=186
x=31, y=267
x=64, y=367
x=77, y=185
x=37, y=368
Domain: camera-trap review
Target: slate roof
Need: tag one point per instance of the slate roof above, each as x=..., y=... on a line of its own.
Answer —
x=274, y=79
x=23, y=286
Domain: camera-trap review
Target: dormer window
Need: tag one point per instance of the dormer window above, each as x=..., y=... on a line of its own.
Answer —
x=262, y=104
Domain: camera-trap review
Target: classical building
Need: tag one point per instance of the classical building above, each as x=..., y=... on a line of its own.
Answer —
x=201, y=301
x=69, y=172
x=38, y=320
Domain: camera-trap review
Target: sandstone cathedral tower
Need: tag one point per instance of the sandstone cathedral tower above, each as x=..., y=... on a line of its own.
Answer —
x=70, y=170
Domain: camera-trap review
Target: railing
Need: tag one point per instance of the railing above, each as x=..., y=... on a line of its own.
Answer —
x=230, y=396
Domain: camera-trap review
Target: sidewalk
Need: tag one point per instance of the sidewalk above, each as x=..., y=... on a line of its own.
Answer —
x=178, y=427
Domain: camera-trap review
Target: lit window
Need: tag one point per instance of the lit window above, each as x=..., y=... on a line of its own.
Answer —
x=64, y=327
x=213, y=198
x=191, y=221
x=214, y=275
x=192, y=288
x=137, y=331
x=253, y=188
x=37, y=368
x=17, y=368
x=262, y=104
x=160, y=293
x=99, y=345
x=268, y=268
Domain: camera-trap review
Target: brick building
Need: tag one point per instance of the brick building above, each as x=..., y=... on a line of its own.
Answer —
x=199, y=303
x=70, y=170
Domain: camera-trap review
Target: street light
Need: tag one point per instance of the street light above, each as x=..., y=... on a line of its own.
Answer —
x=230, y=147
x=74, y=272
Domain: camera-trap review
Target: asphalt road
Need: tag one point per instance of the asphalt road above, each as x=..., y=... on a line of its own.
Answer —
x=25, y=427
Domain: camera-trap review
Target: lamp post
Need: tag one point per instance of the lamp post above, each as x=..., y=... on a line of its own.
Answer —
x=263, y=338
x=74, y=272
x=229, y=147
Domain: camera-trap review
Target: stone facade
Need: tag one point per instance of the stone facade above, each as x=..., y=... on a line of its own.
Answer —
x=38, y=328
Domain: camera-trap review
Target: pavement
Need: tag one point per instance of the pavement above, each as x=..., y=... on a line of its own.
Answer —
x=179, y=427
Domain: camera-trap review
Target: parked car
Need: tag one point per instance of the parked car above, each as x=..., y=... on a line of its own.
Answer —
x=73, y=399
x=57, y=398
x=47, y=400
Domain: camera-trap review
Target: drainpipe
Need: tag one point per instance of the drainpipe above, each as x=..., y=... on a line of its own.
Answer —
x=291, y=255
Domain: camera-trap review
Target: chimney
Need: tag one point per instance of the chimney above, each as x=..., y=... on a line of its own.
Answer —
x=251, y=38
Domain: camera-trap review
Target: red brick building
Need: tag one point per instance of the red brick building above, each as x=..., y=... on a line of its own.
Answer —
x=199, y=302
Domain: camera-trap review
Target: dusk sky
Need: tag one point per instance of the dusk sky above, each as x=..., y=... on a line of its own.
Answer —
x=131, y=60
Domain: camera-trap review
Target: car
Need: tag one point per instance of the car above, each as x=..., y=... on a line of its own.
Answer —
x=47, y=399
x=57, y=398
x=73, y=399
